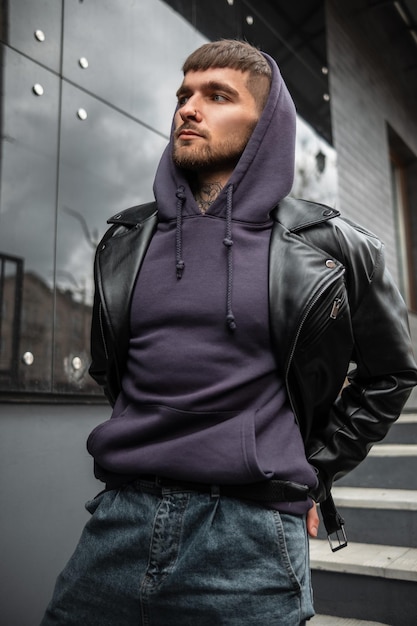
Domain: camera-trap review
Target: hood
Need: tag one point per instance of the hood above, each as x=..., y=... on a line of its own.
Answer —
x=264, y=174
x=262, y=177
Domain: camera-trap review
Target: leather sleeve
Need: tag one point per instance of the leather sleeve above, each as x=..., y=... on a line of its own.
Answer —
x=99, y=361
x=383, y=376
x=99, y=341
x=115, y=269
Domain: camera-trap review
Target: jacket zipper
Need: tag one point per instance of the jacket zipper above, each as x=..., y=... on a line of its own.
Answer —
x=335, y=308
x=333, y=314
x=100, y=317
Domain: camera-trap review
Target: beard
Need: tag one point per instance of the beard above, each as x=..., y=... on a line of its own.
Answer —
x=222, y=155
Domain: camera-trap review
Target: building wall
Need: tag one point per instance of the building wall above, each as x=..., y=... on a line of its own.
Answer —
x=84, y=121
x=46, y=476
x=365, y=96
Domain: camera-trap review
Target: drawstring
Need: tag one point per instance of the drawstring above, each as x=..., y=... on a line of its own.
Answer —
x=228, y=242
x=178, y=235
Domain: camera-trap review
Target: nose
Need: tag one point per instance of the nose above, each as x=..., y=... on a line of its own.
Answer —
x=189, y=110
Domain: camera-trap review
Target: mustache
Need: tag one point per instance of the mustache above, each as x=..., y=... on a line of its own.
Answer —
x=188, y=126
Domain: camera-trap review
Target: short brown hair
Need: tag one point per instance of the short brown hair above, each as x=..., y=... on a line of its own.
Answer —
x=237, y=55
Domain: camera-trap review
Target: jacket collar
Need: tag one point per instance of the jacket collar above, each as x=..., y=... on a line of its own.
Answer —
x=295, y=215
x=134, y=215
x=292, y=213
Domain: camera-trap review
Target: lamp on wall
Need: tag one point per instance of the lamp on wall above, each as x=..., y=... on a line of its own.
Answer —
x=320, y=161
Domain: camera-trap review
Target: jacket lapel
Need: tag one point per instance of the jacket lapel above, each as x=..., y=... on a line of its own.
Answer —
x=299, y=271
x=121, y=257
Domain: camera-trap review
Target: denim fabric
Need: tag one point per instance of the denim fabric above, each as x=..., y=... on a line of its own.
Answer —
x=184, y=559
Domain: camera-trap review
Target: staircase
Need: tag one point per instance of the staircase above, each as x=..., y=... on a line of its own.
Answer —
x=374, y=579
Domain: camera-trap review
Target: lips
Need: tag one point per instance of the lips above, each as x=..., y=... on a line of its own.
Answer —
x=186, y=133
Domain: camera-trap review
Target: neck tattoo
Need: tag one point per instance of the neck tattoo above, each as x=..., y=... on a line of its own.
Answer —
x=206, y=195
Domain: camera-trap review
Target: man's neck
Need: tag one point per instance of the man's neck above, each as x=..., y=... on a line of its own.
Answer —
x=206, y=194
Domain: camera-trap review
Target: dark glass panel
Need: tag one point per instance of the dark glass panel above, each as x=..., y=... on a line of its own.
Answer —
x=135, y=58
x=11, y=276
x=27, y=222
x=107, y=163
x=34, y=28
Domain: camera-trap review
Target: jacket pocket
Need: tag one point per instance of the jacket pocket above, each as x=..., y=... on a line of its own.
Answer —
x=330, y=309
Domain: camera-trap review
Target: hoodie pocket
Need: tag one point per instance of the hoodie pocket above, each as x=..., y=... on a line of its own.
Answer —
x=213, y=447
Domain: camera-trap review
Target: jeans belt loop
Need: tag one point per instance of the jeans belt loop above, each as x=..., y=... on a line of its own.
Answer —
x=215, y=491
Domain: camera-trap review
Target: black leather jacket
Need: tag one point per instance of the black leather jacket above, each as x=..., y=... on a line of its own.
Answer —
x=333, y=307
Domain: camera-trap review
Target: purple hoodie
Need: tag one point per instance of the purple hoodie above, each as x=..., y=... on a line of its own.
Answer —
x=201, y=398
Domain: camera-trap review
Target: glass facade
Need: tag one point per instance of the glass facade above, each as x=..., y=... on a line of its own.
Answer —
x=88, y=91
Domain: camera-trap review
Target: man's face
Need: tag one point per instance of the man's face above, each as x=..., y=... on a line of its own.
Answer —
x=214, y=121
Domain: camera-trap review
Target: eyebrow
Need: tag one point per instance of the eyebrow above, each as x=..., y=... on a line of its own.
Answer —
x=211, y=85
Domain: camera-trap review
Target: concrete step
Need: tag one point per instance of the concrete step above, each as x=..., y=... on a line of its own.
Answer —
x=387, y=562
x=368, y=582
x=390, y=450
x=377, y=516
x=404, y=430
x=331, y=620
x=389, y=466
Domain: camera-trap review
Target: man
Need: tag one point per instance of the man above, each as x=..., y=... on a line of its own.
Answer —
x=225, y=320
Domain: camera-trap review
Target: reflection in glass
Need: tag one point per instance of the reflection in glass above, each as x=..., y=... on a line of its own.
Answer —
x=315, y=167
x=135, y=62
x=107, y=163
x=27, y=221
x=34, y=28
x=11, y=288
x=25, y=338
x=107, y=160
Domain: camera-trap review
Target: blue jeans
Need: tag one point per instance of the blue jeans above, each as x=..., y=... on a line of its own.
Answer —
x=184, y=559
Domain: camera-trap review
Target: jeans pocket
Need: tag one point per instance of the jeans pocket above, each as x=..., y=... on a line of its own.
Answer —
x=92, y=505
x=293, y=549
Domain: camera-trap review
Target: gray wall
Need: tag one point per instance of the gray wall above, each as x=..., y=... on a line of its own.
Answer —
x=46, y=476
x=365, y=96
